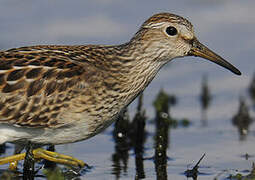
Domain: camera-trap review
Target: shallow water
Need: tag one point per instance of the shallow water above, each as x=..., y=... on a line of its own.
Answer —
x=225, y=26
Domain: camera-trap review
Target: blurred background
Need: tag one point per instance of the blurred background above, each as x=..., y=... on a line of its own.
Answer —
x=207, y=109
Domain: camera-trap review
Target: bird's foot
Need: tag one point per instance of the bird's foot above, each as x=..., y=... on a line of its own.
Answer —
x=57, y=158
x=13, y=165
x=13, y=160
x=42, y=154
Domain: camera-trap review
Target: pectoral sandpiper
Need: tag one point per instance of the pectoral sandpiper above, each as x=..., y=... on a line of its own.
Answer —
x=63, y=94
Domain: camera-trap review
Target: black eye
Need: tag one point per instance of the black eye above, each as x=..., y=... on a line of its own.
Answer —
x=171, y=30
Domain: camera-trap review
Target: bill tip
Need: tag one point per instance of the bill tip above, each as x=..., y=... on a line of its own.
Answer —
x=237, y=72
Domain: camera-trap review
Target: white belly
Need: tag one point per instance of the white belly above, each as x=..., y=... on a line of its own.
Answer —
x=79, y=131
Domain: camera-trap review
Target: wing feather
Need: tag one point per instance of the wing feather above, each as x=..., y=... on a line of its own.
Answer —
x=37, y=85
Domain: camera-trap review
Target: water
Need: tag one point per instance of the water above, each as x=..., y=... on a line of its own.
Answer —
x=227, y=27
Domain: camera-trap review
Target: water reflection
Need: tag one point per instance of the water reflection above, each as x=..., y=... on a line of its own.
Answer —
x=133, y=136
x=242, y=119
x=163, y=122
x=205, y=99
x=129, y=135
x=122, y=145
x=138, y=138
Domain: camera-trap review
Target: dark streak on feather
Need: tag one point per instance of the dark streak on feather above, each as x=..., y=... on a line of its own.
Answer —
x=7, y=112
x=35, y=63
x=50, y=88
x=10, y=88
x=33, y=73
x=20, y=62
x=54, y=115
x=16, y=74
x=1, y=106
x=62, y=86
x=34, y=87
x=49, y=74
x=2, y=79
x=34, y=108
x=23, y=106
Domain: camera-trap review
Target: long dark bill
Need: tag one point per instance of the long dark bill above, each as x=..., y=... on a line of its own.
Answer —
x=200, y=50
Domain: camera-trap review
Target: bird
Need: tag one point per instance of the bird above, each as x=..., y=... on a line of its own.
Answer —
x=58, y=94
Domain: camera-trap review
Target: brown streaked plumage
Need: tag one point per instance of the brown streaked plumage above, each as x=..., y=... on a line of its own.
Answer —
x=63, y=94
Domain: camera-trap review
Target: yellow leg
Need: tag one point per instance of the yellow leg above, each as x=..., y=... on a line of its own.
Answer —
x=57, y=157
x=11, y=159
x=42, y=154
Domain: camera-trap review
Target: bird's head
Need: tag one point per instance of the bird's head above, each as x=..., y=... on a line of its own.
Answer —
x=169, y=36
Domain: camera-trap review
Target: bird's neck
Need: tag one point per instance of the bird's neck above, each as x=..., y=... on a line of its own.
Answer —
x=138, y=67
